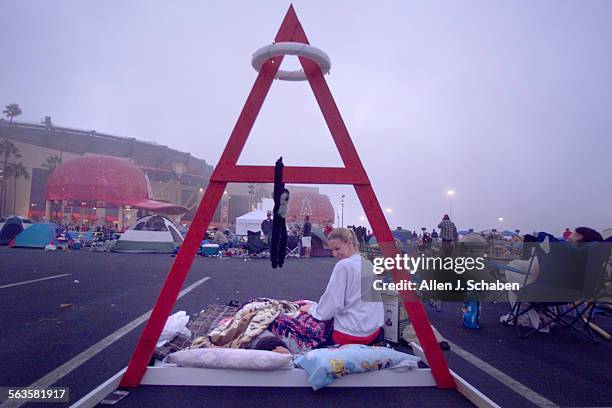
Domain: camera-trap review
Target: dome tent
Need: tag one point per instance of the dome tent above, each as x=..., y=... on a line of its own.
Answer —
x=152, y=233
x=38, y=236
x=250, y=221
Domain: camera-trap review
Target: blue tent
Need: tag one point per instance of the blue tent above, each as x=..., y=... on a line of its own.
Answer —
x=38, y=236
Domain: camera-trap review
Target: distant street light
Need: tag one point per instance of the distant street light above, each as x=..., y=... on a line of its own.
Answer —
x=450, y=193
x=500, y=219
x=388, y=210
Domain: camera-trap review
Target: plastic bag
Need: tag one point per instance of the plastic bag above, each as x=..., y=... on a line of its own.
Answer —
x=176, y=323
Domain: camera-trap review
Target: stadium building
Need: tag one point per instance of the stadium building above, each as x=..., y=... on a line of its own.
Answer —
x=172, y=177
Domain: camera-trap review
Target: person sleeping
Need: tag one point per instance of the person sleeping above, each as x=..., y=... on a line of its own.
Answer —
x=268, y=341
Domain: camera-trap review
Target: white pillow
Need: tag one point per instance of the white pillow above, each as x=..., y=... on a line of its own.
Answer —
x=239, y=359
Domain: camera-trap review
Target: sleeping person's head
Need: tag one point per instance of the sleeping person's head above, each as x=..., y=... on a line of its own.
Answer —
x=270, y=343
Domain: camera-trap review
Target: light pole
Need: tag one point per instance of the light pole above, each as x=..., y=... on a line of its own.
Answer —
x=251, y=196
x=225, y=209
x=342, y=210
x=338, y=217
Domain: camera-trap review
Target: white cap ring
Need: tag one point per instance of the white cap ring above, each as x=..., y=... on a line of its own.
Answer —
x=291, y=48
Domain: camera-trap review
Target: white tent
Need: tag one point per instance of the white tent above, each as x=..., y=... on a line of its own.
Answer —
x=250, y=221
x=152, y=233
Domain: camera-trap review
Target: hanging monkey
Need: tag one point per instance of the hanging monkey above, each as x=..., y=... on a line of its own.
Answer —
x=278, y=245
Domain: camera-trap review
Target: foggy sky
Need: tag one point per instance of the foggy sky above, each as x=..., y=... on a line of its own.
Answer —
x=506, y=102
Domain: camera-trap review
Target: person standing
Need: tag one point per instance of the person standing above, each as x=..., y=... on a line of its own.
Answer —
x=448, y=234
x=306, y=238
x=434, y=234
x=220, y=239
x=328, y=229
x=266, y=227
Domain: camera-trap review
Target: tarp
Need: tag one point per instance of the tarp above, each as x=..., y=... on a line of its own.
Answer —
x=250, y=221
x=11, y=228
x=37, y=236
x=152, y=233
x=403, y=235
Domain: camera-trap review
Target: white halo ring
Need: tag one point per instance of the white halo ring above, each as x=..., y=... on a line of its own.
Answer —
x=314, y=54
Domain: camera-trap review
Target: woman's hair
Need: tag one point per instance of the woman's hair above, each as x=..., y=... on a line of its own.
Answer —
x=589, y=234
x=344, y=235
x=268, y=343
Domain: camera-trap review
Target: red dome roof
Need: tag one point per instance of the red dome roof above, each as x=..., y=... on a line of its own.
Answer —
x=103, y=178
x=302, y=203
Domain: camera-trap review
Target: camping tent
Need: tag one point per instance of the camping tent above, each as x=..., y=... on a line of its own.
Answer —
x=318, y=243
x=37, y=236
x=152, y=233
x=373, y=242
x=11, y=227
x=474, y=238
x=250, y=221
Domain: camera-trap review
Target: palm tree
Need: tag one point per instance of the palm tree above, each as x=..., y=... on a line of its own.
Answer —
x=51, y=163
x=11, y=111
x=17, y=170
x=7, y=150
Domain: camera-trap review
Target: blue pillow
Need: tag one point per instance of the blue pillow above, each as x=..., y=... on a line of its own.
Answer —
x=325, y=365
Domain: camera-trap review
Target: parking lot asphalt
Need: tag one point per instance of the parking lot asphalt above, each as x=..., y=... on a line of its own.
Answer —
x=47, y=323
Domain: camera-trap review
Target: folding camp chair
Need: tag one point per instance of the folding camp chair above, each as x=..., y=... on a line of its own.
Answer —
x=293, y=246
x=254, y=242
x=597, y=278
x=564, y=292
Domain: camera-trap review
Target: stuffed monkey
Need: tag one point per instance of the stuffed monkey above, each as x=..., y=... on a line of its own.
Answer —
x=278, y=245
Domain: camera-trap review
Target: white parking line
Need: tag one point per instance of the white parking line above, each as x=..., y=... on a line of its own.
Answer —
x=33, y=280
x=78, y=360
x=502, y=377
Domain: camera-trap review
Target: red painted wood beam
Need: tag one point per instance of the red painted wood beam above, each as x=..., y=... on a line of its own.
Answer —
x=291, y=174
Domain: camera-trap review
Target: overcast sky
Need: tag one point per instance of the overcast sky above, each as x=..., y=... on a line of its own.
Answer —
x=507, y=102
